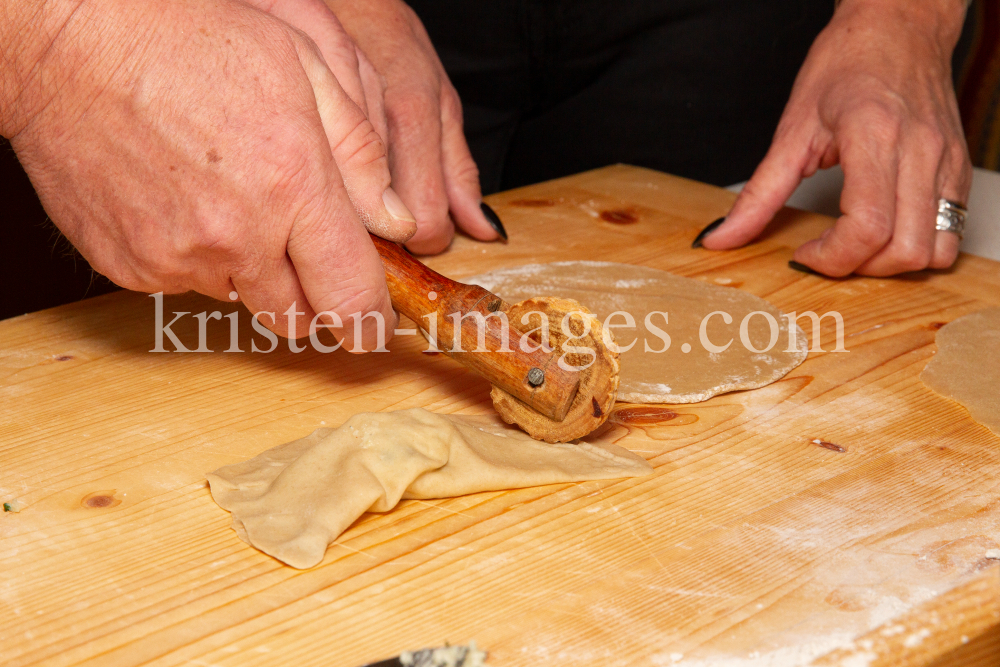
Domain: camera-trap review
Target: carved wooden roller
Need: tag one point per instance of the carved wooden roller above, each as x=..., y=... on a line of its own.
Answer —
x=556, y=390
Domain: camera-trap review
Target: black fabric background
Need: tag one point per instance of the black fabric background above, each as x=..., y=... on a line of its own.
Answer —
x=38, y=267
x=554, y=87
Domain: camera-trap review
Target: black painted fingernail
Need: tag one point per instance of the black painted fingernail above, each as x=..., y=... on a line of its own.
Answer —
x=493, y=219
x=705, y=232
x=792, y=264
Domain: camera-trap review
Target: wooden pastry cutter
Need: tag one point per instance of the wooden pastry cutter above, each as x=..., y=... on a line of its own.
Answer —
x=556, y=392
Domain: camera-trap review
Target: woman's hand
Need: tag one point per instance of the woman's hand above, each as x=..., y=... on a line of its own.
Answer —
x=875, y=94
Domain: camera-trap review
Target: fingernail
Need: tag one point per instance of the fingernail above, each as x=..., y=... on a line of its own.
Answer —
x=705, y=232
x=397, y=209
x=493, y=219
x=798, y=266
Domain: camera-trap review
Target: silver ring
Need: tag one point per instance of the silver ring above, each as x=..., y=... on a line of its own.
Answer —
x=951, y=217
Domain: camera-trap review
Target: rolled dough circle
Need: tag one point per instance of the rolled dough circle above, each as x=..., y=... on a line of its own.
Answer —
x=966, y=367
x=761, y=349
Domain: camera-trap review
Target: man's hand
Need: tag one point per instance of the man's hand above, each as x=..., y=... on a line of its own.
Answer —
x=204, y=145
x=430, y=162
x=875, y=94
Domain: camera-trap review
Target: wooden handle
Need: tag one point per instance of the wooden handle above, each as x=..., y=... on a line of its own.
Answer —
x=436, y=302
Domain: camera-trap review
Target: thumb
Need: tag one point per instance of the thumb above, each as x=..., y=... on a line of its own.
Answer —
x=772, y=183
x=358, y=151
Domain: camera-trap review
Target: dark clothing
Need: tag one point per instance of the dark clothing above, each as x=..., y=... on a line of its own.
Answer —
x=554, y=87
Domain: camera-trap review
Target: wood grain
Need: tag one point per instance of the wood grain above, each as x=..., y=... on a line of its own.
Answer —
x=751, y=545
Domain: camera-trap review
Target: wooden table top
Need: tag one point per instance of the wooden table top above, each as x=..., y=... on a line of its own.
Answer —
x=751, y=545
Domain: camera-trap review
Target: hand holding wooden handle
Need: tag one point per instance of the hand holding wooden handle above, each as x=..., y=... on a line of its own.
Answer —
x=471, y=327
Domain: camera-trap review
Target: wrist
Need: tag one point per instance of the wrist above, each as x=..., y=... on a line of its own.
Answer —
x=940, y=20
x=29, y=31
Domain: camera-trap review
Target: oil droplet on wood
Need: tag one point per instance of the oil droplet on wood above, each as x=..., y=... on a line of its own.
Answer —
x=533, y=203
x=619, y=216
x=64, y=357
x=101, y=500
x=832, y=446
x=642, y=415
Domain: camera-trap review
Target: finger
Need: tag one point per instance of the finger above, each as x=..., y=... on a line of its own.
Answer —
x=946, y=246
x=772, y=183
x=868, y=200
x=415, y=160
x=956, y=185
x=316, y=20
x=271, y=290
x=461, y=176
x=359, y=153
x=339, y=268
x=911, y=247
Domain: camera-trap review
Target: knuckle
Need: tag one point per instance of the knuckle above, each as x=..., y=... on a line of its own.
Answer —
x=301, y=43
x=362, y=147
x=873, y=230
x=466, y=172
x=930, y=138
x=215, y=235
x=881, y=117
x=409, y=109
x=158, y=271
x=152, y=259
x=283, y=41
x=353, y=296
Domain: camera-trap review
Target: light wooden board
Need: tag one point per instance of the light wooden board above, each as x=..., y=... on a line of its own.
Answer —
x=749, y=546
